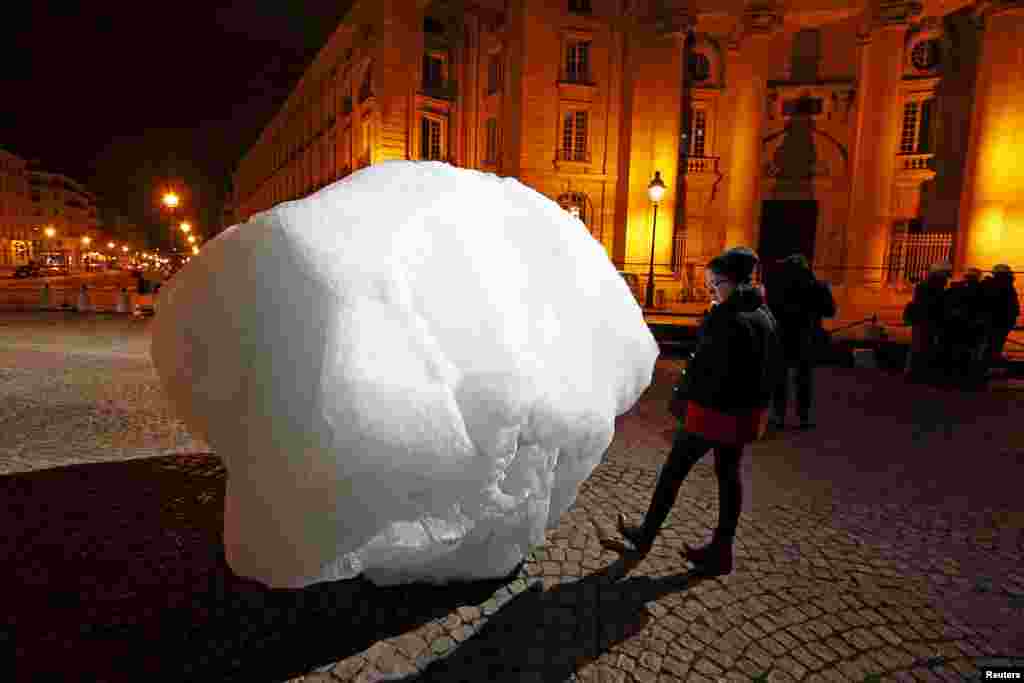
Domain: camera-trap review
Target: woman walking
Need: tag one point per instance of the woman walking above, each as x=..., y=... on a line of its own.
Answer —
x=730, y=379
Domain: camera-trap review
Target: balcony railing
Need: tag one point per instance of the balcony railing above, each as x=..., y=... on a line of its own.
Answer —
x=702, y=165
x=572, y=155
x=916, y=162
x=911, y=255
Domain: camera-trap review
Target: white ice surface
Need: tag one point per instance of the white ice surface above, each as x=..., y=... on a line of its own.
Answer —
x=408, y=373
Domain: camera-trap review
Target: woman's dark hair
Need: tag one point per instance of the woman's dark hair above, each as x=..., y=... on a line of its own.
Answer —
x=737, y=264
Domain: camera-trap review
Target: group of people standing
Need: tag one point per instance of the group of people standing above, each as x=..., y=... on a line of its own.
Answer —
x=755, y=340
x=960, y=329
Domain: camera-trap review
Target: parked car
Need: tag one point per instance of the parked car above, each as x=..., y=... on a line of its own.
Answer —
x=30, y=269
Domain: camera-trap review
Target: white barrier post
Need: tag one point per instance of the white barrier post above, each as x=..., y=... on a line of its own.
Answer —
x=83, y=299
x=124, y=304
x=44, y=297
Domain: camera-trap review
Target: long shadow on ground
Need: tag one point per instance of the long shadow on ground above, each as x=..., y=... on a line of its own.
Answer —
x=548, y=635
x=116, y=572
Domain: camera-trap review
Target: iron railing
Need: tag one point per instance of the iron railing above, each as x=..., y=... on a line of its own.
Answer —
x=911, y=255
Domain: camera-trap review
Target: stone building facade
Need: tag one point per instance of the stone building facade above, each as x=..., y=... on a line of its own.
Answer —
x=15, y=211
x=32, y=200
x=856, y=133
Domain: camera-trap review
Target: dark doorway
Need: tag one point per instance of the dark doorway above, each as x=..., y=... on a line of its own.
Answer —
x=787, y=227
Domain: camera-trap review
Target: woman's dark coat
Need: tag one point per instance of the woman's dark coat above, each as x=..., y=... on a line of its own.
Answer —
x=734, y=370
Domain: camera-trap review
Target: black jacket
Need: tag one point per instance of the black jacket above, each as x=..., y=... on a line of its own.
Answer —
x=1001, y=301
x=966, y=315
x=733, y=372
x=799, y=301
x=928, y=304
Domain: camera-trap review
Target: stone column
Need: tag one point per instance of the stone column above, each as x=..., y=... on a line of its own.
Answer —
x=881, y=53
x=992, y=210
x=745, y=98
x=656, y=68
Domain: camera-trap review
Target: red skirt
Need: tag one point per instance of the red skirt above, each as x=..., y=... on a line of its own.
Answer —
x=735, y=430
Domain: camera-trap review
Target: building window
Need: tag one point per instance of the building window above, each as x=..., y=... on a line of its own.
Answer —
x=579, y=6
x=574, y=136
x=803, y=106
x=494, y=73
x=577, y=61
x=925, y=55
x=432, y=25
x=698, y=132
x=434, y=64
x=366, y=88
x=700, y=67
x=916, y=132
x=432, y=138
x=491, y=142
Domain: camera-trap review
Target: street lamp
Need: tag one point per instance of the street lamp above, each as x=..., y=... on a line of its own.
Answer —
x=110, y=245
x=85, y=256
x=195, y=249
x=191, y=239
x=49, y=232
x=170, y=200
x=185, y=227
x=655, y=191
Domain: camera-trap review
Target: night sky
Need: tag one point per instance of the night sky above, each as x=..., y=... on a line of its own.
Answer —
x=121, y=101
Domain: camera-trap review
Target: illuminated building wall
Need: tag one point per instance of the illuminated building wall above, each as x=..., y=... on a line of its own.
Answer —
x=830, y=128
x=15, y=210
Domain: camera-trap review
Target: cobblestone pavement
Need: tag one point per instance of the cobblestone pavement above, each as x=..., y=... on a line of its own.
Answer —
x=885, y=545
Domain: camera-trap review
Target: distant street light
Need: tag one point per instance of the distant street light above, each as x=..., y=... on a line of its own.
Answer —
x=192, y=239
x=185, y=227
x=170, y=200
x=49, y=232
x=195, y=249
x=124, y=249
x=110, y=245
x=656, y=192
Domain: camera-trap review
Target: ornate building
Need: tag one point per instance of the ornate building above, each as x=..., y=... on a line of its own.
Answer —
x=872, y=137
x=63, y=204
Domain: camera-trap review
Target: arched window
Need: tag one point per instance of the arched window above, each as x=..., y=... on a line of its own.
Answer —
x=579, y=205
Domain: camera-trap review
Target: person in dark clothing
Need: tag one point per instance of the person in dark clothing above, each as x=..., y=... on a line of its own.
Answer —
x=966, y=331
x=1003, y=306
x=798, y=301
x=925, y=315
x=730, y=379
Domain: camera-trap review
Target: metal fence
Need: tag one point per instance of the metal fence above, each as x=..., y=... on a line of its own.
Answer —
x=910, y=255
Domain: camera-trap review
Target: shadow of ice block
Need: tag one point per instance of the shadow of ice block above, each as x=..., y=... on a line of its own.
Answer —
x=407, y=374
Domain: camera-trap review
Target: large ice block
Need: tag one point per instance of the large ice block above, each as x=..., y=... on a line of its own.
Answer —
x=406, y=374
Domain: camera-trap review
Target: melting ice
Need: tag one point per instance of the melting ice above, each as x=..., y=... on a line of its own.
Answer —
x=406, y=374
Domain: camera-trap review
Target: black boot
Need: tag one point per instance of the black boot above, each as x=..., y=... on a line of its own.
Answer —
x=640, y=539
x=714, y=559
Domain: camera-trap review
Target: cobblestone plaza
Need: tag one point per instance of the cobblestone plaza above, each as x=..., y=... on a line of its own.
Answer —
x=885, y=545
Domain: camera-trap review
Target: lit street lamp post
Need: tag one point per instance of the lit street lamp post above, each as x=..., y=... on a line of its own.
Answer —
x=85, y=254
x=49, y=232
x=656, y=191
x=171, y=201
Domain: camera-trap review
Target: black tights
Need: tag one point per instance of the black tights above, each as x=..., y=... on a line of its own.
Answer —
x=687, y=449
